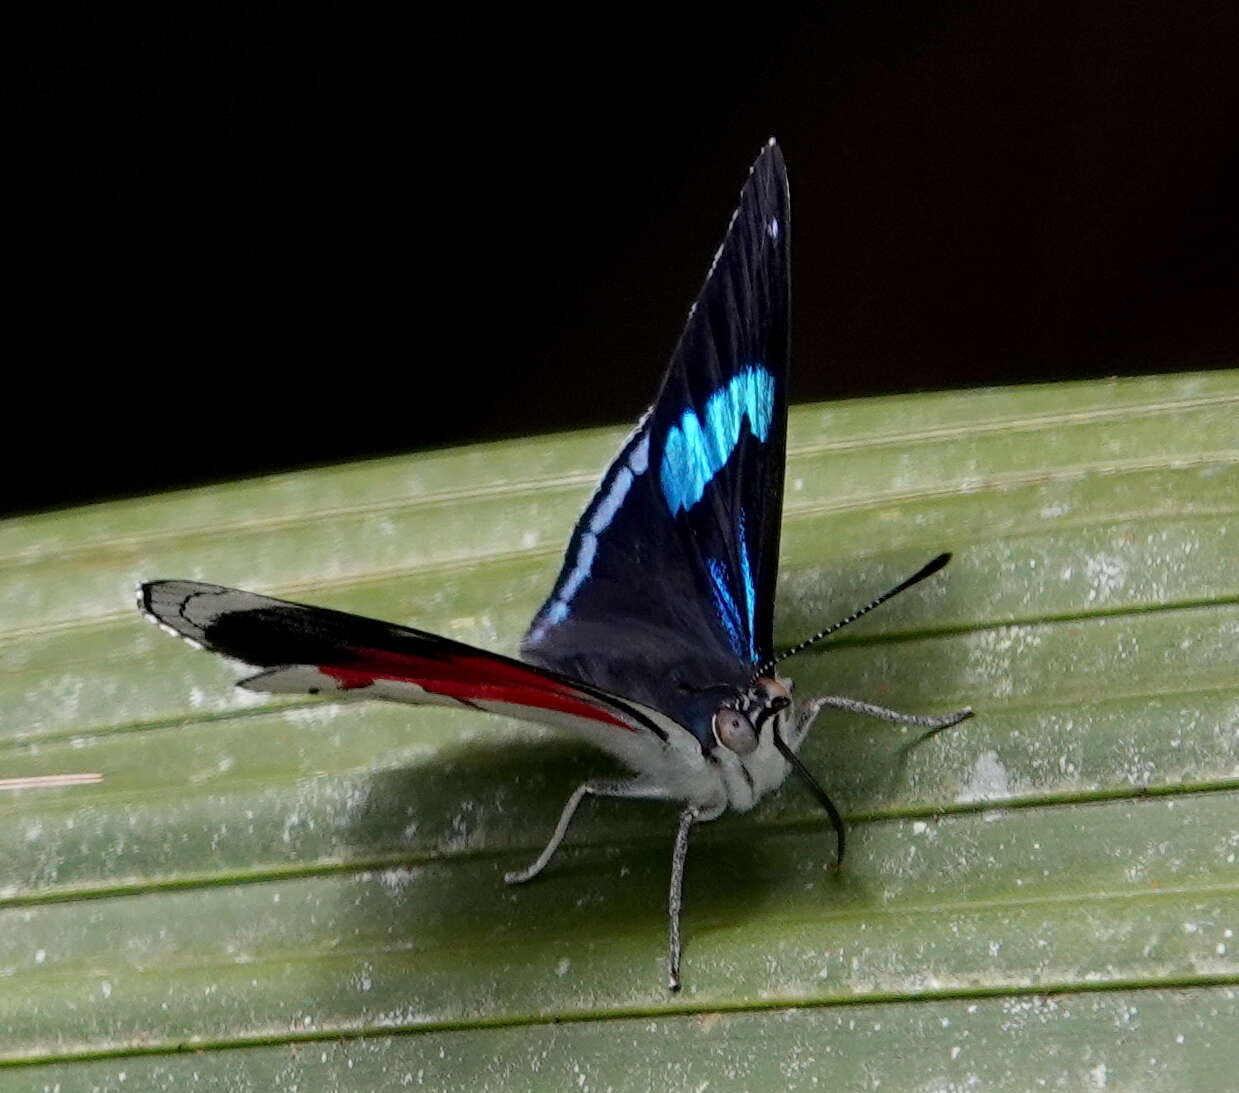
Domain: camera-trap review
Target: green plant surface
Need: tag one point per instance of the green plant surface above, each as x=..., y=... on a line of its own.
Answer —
x=280, y=894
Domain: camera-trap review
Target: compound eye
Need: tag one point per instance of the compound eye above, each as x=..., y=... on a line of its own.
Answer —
x=776, y=696
x=734, y=731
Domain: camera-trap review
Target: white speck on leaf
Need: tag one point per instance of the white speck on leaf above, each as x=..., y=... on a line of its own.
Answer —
x=1106, y=574
x=988, y=782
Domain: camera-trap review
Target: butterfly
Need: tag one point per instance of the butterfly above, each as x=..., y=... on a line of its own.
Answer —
x=656, y=642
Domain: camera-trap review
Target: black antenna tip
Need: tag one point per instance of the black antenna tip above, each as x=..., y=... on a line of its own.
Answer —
x=927, y=570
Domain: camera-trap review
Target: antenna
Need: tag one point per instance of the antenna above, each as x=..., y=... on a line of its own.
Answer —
x=802, y=772
x=927, y=570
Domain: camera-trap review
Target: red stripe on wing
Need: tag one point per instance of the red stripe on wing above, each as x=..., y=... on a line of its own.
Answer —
x=472, y=678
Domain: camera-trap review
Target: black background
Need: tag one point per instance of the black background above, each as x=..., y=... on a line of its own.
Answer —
x=247, y=244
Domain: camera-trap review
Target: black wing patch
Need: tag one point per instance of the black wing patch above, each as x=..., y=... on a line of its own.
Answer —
x=667, y=587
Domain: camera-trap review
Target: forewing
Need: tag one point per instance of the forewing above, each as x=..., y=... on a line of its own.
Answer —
x=668, y=583
x=313, y=650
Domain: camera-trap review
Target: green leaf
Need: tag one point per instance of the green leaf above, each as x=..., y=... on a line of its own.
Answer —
x=309, y=895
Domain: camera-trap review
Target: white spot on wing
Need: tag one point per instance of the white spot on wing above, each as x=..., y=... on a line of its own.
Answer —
x=601, y=511
x=610, y=504
x=639, y=458
x=584, y=559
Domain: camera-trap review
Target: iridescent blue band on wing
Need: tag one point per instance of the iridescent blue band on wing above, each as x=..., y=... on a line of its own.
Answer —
x=750, y=593
x=735, y=626
x=695, y=451
x=725, y=605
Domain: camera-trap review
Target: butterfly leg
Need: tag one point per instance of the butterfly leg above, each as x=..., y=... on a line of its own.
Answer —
x=692, y=814
x=609, y=788
x=853, y=705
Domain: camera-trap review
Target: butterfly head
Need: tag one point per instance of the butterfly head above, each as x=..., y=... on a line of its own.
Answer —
x=738, y=723
x=739, y=739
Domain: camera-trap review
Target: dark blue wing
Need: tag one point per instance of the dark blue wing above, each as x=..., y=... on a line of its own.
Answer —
x=668, y=583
